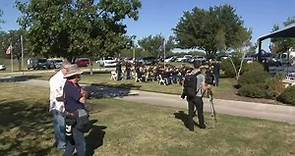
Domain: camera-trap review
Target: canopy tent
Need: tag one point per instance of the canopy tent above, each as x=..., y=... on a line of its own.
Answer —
x=288, y=31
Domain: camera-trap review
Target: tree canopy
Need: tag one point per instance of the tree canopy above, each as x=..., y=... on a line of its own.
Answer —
x=72, y=28
x=154, y=44
x=218, y=28
x=283, y=44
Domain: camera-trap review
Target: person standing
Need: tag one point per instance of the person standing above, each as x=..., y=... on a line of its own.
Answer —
x=56, y=85
x=75, y=99
x=216, y=73
x=119, y=70
x=193, y=88
x=200, y=90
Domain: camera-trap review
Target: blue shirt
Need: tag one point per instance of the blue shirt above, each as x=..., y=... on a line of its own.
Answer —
x=72, y=95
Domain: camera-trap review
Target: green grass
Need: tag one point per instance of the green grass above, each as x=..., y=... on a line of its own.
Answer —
x=125, y=128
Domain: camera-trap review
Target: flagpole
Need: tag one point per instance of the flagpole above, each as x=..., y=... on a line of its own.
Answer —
x=22, y=49
x=11, y=58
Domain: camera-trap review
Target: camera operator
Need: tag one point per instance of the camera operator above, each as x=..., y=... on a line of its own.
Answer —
x=193, y=90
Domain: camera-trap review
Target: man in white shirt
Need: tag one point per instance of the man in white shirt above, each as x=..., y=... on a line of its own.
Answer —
x=56, y=84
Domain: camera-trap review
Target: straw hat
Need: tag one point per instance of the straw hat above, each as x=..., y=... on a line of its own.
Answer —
x=73, y=70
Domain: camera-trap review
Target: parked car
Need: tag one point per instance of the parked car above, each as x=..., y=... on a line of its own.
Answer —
x=107, y=62
x=170, y=59
x=37, y=63
x=55, y=63
x=2, y=67
x=82, y=62
x=148, y=60
x=185, y=58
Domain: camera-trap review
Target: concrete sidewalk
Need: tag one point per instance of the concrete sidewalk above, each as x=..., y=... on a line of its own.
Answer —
x=238, y=108
x=230, y=107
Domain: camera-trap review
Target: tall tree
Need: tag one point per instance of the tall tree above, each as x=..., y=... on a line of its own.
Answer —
x=218, y=28
x=154, y=44
x=280, y=45
x=72, y=28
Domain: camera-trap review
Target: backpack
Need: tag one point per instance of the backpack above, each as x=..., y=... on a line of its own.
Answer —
x=189, y=85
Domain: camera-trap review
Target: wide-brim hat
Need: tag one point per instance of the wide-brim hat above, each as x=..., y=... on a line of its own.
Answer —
x=73, y=70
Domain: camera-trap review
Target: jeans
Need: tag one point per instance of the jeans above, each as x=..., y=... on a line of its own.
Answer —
x=79, y=144
x=59, y=129
x=198, y=103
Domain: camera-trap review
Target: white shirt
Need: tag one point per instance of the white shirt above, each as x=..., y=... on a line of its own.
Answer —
x=56, y=85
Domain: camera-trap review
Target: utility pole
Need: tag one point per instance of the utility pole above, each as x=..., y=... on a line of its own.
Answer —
x=164, y=46
x=133, y=52
x=11, y=58
x=22, y=50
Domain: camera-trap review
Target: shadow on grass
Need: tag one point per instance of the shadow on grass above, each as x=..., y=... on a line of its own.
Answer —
x=105, y=90
x=23, y=127
x=94, y=139
x=184, y=118
x=18, y=78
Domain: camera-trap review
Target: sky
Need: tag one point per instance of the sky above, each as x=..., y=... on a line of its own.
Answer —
x=160, y=16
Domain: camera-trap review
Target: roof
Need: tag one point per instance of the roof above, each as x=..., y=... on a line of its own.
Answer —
x=288, y=31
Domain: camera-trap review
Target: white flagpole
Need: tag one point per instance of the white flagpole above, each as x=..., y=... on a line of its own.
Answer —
x=22, y=48
x=11, y=58
x=164, y=52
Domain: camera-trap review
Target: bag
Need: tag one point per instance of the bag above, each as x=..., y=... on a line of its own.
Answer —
x=189, y=86
x=83, y=123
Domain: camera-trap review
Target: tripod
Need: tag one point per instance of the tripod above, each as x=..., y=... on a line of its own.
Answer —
x=212, y=108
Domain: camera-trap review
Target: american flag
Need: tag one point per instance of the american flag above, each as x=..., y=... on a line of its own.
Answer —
x=9, y=50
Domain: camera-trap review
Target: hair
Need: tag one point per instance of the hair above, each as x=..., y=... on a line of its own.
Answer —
x=197, y=65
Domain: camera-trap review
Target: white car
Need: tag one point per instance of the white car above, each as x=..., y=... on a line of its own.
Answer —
x=185, y=58
x=170, y=59
x=2, y=67
x=108, y=62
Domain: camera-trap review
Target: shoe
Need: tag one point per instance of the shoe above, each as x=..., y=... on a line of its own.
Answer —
x=202, y=126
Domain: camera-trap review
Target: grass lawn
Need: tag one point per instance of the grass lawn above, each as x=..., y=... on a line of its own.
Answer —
x=124, y=128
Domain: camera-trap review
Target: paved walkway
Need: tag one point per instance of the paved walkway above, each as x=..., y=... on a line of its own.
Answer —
x=237, y=108
x=230, y=107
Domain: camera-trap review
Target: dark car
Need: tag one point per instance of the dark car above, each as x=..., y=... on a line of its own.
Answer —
x=38, y=63
x=83, y=62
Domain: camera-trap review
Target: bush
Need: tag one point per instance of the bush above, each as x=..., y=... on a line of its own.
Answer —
x=276, y=85
x=253, y=67
x=288, y=96
x=254, y=76
x=228, y=69
x=257, y=90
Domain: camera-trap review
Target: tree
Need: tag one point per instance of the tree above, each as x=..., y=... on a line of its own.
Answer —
x=154, y=44
x=75, y=28
x=280, y=45
x=216, y=29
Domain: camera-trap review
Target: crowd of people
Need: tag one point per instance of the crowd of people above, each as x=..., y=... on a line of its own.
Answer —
x=163, y=74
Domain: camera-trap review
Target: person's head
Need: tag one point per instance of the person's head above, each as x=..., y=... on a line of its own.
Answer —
x=73, y=73
x=197, y=65
x=203, y=70
x=65, y=67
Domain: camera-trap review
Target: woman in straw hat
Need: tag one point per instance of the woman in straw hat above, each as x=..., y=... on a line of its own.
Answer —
x=74, y=99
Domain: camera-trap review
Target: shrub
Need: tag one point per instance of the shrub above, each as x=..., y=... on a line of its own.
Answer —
x=288, y=96
x=276, y=85
x=253, y=67
x=228, y=69
x=254, y=76
x=257, y=90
